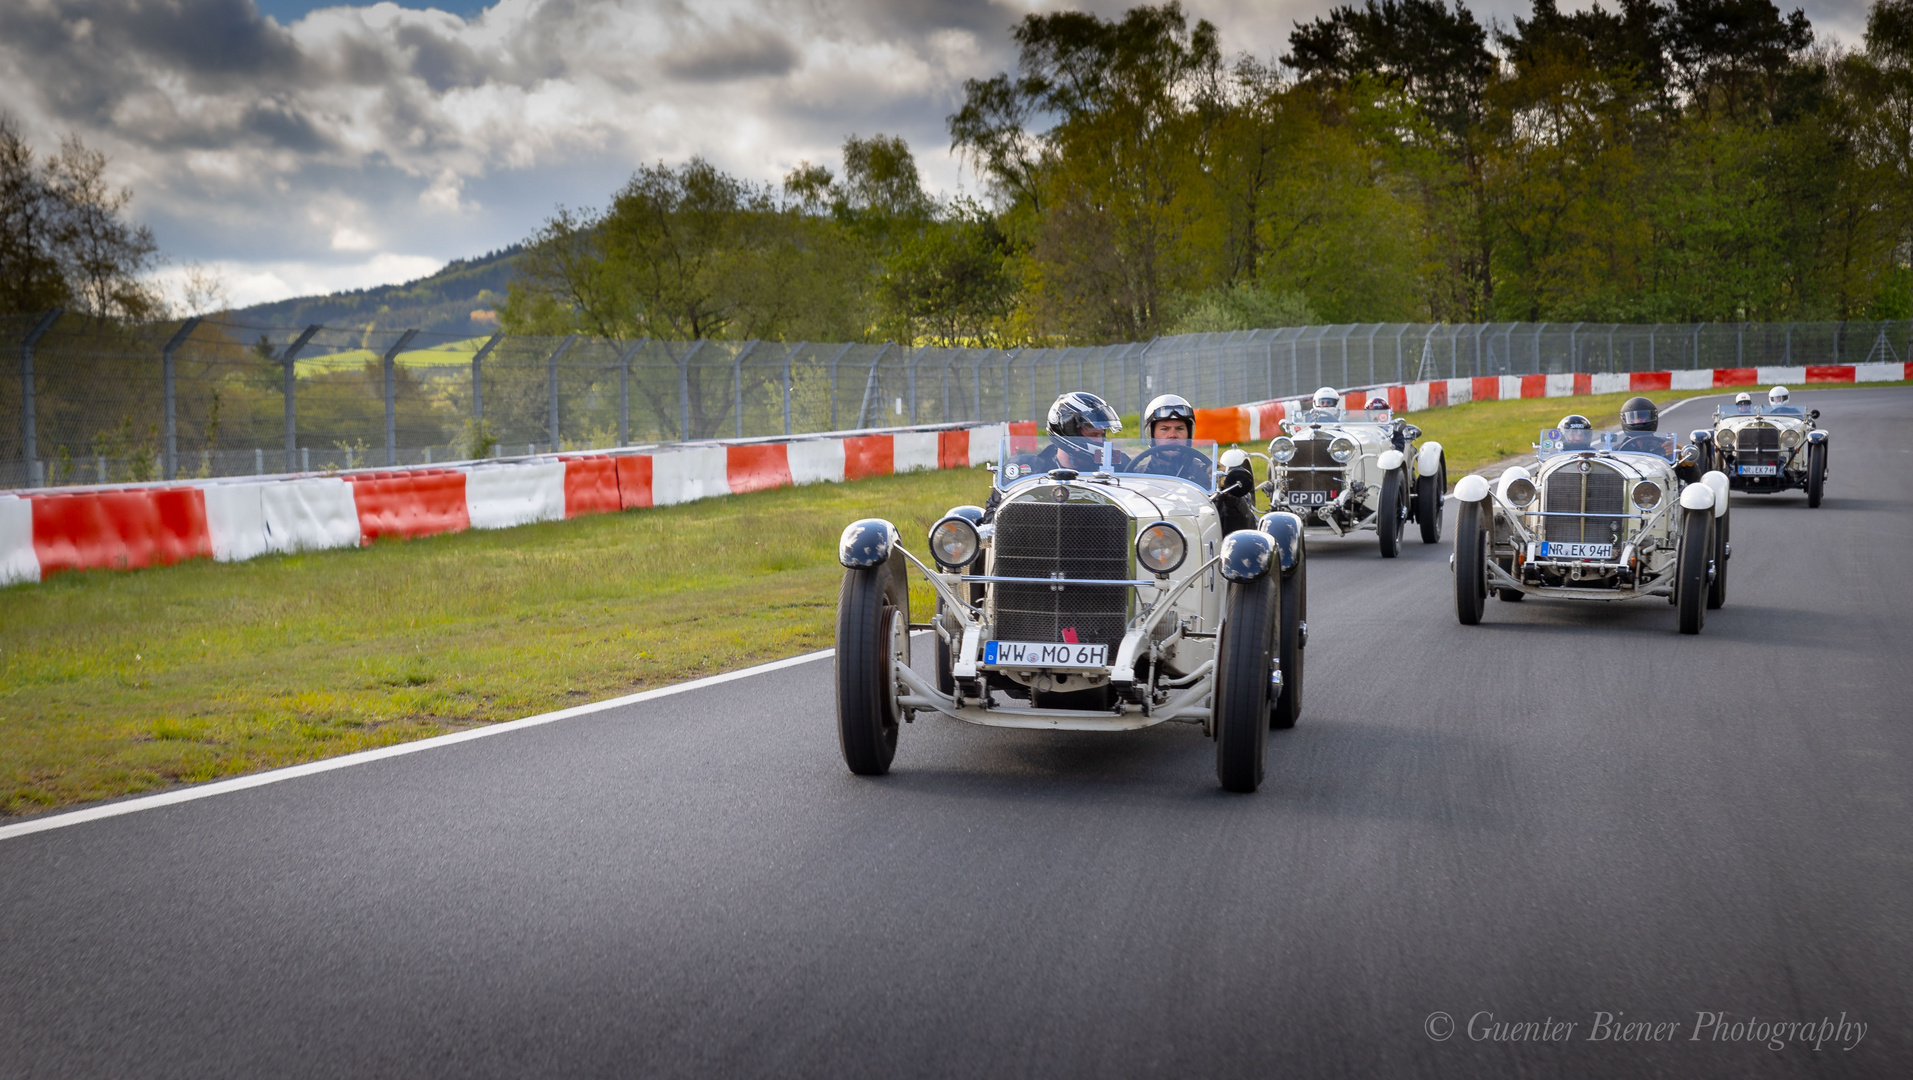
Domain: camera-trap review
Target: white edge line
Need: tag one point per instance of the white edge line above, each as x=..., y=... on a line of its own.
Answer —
x=366, y=757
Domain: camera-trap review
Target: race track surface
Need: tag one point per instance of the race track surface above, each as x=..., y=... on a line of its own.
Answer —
x=1567, y=811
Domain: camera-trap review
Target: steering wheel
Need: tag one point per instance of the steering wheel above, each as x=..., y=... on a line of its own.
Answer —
x=1183, y=460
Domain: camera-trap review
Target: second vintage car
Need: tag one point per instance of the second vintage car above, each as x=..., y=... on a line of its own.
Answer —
x=1349, y=470
x=1767, y=446
x=1102, y=597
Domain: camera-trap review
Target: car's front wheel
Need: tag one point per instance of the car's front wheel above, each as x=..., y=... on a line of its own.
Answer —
x=873, y=637
x=1816, y=473
x=1244, y=661
x=1389, y=516
x=1717, y=589
x=1292, y=643
x=1428, y=491
x=1471, y=558
x=1690, y=569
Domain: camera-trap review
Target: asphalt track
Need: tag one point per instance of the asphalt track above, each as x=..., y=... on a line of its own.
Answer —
x=1567, y=811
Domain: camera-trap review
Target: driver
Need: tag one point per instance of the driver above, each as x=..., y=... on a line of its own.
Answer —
x=1777, y=401
x=1577, y=432
x=1325, y=406
x=1641, y=415
x=1171, y=420
x=1078, y=423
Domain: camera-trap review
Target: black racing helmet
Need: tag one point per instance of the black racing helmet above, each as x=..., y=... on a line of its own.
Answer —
x=1080, y=412
x=1640, y=414
x=1168, y=407
x=1577, y=431
x=1575, y=422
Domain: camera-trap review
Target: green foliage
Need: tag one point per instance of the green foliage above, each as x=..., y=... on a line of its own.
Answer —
x=1241, y=307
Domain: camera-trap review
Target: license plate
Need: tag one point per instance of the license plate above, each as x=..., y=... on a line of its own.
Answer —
x=1577, y=551
x=1308, y=498
x=1760, y=470
x=1037, y=654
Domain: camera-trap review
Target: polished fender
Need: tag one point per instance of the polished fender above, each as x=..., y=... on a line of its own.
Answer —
x=1697, y=497
x=866, y=543
x=1700, y=435
x=1428, y=459
x=1233, y=457
x=1247, y=555
x=971, y=514
x=1286, y=530
x=1472, y=488
x=1718, y=481
x=1390, y=460
x=1816, y=436
x=1515, y=472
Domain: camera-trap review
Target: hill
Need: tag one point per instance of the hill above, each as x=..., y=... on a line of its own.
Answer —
x=441, y=303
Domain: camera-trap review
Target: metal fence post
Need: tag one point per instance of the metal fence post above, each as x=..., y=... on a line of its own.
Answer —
x=870, y=383
x=910, y=379
x=1009, y=361
x=287, y=358
x=551, y=368
x=478, y=392
x=789, y=355
x=684, y=390
x=624, y=391
x=170, y=468
x=28, y=435
x=391, y=399
x=737, y=382
x=833, y=384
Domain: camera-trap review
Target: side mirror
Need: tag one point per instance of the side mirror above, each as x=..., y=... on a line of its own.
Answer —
x=1411, y=431
x=1233, y=457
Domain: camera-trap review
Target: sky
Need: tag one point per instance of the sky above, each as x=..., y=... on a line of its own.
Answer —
x=293, y=147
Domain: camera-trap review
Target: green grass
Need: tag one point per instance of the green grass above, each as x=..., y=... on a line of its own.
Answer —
x=448, y=354
x=114, y=683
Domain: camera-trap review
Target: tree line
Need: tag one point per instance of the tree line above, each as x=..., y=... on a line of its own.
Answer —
x=1699, y=160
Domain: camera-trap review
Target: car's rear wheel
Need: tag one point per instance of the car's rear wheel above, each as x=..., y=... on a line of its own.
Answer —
x=1292, y=643
x=1717, y=589
x=1244, y=659
x=1471, y=559
x=1816, y=472
x=873, y=636
x=1428, y=492
x=1389, y=515
x=1690, y=569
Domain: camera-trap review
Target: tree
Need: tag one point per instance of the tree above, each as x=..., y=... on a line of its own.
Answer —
x=64, y=239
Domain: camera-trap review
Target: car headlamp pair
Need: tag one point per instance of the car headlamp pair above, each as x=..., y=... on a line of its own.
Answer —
x=954, y=542
x=1161, y=547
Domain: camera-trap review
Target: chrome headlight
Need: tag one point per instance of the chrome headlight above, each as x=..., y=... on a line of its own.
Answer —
x=1790, y=438
x=1521, y=491
x=1647, y=495
x=954, y=542
x=1724, y=440
x=1341, y=449
x=1282, y=449
x=1161, y=548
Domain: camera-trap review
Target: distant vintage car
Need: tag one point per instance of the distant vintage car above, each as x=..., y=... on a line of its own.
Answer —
x=1602, y=516
x=1102, y=597
x=1355, y=469
x=1768, y=446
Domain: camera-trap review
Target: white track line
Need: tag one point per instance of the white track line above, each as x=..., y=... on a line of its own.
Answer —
x=365, y=757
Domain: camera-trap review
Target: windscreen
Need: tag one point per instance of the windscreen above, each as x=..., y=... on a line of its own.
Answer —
x=1027, y=457
x=1574, y=441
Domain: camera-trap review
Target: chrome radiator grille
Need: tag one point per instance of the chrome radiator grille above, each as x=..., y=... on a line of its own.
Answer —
x=1073, y=540
x=1601, y=491
x=1313, y=454
x=1757, y=444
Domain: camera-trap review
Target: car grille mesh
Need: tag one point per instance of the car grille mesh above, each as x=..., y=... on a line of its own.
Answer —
x=1757, y=444
x=1601, y=490
x=1076, y=540
x=1313, y=454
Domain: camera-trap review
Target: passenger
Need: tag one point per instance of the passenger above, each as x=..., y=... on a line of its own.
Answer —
x=1078, y=423
x=1777, y=402
x=1577, y=432
x=1381, y=412
x=1743, y=403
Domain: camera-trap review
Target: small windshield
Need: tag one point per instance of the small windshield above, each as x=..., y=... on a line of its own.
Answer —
x=1027, y=457
x=1367, y=416
x=1760, y=408
x=1313, y=415
x=1574, y=441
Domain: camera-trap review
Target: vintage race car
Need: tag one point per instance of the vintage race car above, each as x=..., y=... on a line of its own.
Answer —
x=1102, y=596
x=1602, y=516
x=1346, y=470
x=1765, y=448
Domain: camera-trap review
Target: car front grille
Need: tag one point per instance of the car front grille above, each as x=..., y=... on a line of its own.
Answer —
x=1601, y=490
x=1313, y=454
x=1757, y=444
x=1073, y=540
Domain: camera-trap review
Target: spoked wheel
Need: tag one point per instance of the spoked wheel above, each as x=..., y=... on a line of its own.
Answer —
x=1816, y=473
x=1292, y=644
x=1471, y=559
x=1428, y=495
x=873, y=637
x=1244, y=658
x=1690, y=569
x=1390, y=514
x=1717, y=589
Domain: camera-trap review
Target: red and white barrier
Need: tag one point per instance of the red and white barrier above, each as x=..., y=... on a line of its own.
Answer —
x=309, y=514
x=18, y=561
x=500, y=496
x=236, y=521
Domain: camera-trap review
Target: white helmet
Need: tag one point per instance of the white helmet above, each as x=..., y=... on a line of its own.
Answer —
x=1327, y=398
x=1743, y=399
x=1167, y=407
x=1777, y=396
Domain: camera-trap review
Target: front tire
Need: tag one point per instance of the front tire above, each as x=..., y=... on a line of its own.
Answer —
x=1292, y=645
x=1816, y=473
x=1390, y=514
x=1690, y=569
x=1428, y=493
x=1717, y=589
x=1243, y=662
x=873, y=634
x=1471, y=559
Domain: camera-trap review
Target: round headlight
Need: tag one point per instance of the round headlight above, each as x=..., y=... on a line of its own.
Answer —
x=1647, y=495
x=1160, y=548
x=1282, y=449
x=1790, y=438
x=1341, y=449
x=1521, y=491
x=953, y=543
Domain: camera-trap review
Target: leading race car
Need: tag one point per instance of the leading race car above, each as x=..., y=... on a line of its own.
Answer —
x=1100, y=598
x=1602, y=516
x=1768, y=446
x=1347, y=470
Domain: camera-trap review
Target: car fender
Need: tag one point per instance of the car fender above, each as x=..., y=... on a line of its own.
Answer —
x=1390, y=460
x=1428, y=459
x=1515, y=472
x=1718, y=481
x=1247, y=555
x=1697, y=497
x=866, y=543
x=1816, y=436
x=1286, y=530
x=1471, y=488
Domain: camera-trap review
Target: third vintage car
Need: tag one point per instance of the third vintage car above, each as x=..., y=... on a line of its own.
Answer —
x=1103, y=596
x=1603, y=515
x=1348, y=470
x=1770, y=445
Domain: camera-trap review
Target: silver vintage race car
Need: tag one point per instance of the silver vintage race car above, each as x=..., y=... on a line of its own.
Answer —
x=1768, y=446
x=1602, y=516
x=1346, y=470
x=1102, y=597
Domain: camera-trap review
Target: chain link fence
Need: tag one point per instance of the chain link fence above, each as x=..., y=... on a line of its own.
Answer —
x=102, y=402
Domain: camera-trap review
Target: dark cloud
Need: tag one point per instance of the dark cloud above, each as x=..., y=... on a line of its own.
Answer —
x=737, y=52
